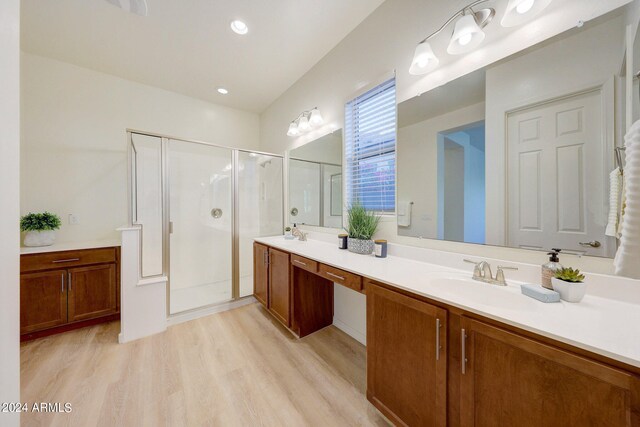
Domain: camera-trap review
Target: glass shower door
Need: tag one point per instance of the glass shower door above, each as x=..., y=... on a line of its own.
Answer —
x=201, y=224
x=260, y=208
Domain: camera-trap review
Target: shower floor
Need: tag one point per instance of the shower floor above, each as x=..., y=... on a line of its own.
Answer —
x=184, y=299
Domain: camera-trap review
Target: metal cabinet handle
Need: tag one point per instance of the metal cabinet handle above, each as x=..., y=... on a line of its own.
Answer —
x=69, y=285
x=463, y=358
x=593, y=244
x=65, y=260
x=437, y=339
x=216, y=213
x=266, y=258
x=300, y=262
x=335, y=275
x=62, y=283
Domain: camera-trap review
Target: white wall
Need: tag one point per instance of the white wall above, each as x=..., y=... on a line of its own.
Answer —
x=417, y=160
x=74, y=145
x=9, y=214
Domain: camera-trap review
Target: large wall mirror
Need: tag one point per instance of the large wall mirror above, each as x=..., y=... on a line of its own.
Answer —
x=315, y=182
x=519, y=153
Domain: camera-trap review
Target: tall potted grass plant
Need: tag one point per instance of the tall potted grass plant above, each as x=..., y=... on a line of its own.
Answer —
x=361, y=226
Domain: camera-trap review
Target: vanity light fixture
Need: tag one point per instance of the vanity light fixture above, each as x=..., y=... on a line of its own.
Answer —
x=520, y=11
x=467, y=35
x=306, y=121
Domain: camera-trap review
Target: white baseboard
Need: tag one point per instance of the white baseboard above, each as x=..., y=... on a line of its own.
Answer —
x=196, y=314
x=357, y=335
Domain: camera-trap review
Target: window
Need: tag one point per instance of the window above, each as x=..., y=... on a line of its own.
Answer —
x=370, y=148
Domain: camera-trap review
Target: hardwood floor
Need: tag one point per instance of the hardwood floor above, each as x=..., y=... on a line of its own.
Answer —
x=240, y=367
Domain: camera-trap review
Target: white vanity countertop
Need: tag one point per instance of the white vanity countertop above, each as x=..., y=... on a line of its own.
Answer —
x=70, y=246
x=604, y=326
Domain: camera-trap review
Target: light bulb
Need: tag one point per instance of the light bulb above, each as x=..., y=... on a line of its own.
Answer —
x=465, y=39
x=524, y=6
x=424, y=60
x=316, y=118
x=239, y=27
x=293, y=129
x=521, y=11
x=303, y=124
x=467, y=35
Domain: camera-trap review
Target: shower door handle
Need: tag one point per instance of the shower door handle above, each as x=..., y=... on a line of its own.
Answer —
x=170, y=227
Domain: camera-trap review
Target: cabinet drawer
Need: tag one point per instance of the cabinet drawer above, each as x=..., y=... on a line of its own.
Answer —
x=305, y=263
x=341, y=277
x=64, y=259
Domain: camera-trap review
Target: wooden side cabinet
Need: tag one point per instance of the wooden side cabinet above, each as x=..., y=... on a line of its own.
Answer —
x=92, y=292
x=279, y=293
x=508, y=379
x=67, y=290
x=272, y=281
x=43, y=300
x=406, y=358
x=260, y=272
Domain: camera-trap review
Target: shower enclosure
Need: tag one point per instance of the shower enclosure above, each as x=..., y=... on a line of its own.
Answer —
x=199, y=207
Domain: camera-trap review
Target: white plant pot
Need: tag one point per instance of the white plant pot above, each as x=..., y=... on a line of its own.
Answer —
x=570, y=292
x=40, y=238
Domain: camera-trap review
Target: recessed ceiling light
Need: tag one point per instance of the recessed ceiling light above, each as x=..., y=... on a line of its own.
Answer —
x=223, y=91
x=239, y=27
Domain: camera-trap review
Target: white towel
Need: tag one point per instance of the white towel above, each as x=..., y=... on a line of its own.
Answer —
x=615, y=178
x=627, y=261
x=404, y=214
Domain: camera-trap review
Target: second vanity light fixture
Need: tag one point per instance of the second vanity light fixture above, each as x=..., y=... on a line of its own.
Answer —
x=306, y=121
x=468, y=30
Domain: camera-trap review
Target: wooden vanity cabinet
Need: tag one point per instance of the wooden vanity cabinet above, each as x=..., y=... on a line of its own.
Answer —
x=406, y=358
x=66, y=290
x=509, y=379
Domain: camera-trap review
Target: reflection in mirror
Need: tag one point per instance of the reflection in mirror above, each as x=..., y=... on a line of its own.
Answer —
x=519, y=153
x=315, y=182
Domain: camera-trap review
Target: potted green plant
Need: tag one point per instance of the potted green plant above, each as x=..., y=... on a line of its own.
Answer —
x=569, y=283
x=361, y=226
x=287, y=233
x=40, y=228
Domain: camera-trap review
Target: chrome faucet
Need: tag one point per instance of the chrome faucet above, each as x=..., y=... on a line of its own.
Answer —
x=296, y=232
x=482, y=273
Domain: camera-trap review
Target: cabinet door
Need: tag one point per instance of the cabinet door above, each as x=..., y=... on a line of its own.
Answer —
x=279, y=285
x=260, y=272
x=512, y=380
x=406, y=358
x=43, y=300
x=92, y=292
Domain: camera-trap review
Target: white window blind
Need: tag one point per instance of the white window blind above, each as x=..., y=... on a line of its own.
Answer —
x=370, y=148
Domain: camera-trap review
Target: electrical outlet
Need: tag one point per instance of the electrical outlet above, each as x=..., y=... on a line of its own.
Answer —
x=73, y=219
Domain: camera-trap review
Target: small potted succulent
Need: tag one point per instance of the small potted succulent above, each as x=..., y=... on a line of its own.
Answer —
x=362, y=225
x=287, y=233
x=40, y=228
x=569, y=283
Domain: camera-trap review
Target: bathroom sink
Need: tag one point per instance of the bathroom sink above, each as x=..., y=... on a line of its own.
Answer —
x=505, y=297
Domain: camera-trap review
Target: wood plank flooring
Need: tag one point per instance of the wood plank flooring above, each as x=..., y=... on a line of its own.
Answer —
x=239, y=368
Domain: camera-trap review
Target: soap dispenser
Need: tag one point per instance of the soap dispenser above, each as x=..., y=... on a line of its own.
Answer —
x=549, y=269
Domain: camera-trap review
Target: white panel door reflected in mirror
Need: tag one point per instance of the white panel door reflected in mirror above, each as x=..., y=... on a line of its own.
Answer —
x=519, y=153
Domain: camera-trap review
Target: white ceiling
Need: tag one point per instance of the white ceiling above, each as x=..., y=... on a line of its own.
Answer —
x=188, y=47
